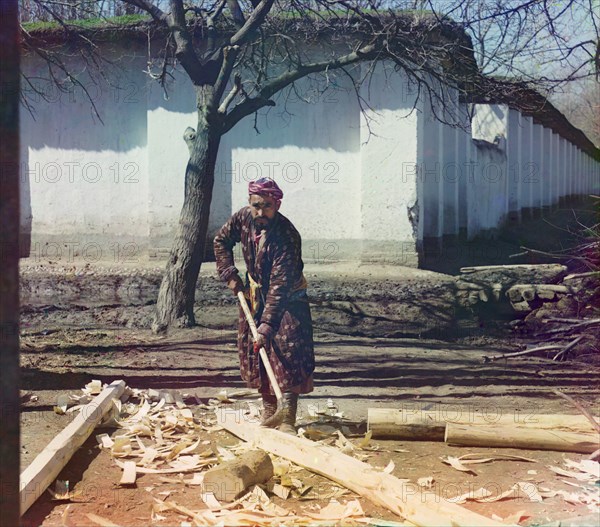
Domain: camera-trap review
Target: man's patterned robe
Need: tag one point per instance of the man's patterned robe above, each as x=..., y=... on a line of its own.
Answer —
x=276, y=266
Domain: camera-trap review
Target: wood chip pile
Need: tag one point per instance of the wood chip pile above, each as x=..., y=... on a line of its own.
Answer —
x=158, y=434
x=178, y=439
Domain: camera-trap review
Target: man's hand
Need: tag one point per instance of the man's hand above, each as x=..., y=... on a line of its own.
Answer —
x=265, y=333
x=235, y=284
x=261, y=342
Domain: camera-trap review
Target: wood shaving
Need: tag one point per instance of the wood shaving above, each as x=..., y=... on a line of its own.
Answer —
x=389, y=467
x=456, y=463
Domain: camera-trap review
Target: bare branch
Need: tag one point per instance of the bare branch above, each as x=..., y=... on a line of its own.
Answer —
x=210, y=21
x=154, y=11
x=236, y=12
x=176, y=23
x=253, y=23
x=285, y=79
x=237, y=88
x=581, y=408
x=185, y=52
x=230, y=54
x=54, y=61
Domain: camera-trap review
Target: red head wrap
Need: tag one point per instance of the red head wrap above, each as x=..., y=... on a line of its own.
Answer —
x=265, y=187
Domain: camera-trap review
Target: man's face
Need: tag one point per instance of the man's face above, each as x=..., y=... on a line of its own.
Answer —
x=263, y=209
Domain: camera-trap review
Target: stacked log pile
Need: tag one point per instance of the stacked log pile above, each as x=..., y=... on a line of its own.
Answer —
x=559, y=305
x=496, y=283
x=571, y=319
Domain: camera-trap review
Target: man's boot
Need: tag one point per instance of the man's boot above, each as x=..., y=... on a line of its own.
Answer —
x=290, y=405
x=269, y=407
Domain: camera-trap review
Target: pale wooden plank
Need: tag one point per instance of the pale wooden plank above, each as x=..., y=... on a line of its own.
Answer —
x=44, y=469
x=407, y=500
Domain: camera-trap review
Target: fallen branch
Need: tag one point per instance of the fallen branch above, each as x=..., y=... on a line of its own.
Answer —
x=550, y=347
x=581, y=275
x=580, y=407
x=527, y=250
x=563, y=320
x=582, y=324
x=514, y=267
x=568, y=347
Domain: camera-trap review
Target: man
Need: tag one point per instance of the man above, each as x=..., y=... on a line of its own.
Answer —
x=276, y=289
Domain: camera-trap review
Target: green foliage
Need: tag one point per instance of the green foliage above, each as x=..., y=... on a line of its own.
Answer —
x=88, y=23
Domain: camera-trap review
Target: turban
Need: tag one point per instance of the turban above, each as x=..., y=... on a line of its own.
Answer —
x=265, y=187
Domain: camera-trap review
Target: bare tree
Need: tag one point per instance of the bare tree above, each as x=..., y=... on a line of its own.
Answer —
x=543, y=43
x=580, y=102
x=242, y=55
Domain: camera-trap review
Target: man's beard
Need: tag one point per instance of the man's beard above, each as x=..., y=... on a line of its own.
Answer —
x=262, y=224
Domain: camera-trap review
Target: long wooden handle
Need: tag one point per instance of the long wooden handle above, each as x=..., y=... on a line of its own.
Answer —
x=262, y=352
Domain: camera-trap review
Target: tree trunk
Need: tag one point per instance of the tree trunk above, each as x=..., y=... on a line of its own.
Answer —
x=175, y=304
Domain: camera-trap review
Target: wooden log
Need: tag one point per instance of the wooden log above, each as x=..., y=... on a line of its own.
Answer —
x=430, y=424
x=417, y=505
x=521, y=437
x=389, y=423
x=529, y=292
x=36, y=478
x=228, y=480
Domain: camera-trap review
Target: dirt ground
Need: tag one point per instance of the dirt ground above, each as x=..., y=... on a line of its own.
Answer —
x=357, y=373
x=385, y=337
